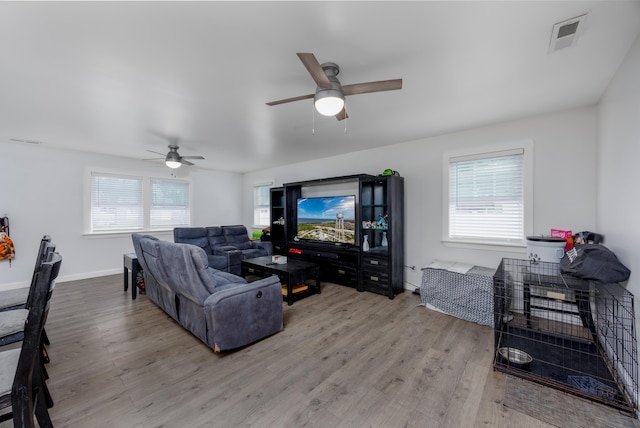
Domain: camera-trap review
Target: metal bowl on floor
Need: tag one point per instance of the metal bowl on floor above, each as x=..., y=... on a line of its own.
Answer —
x=516, y=357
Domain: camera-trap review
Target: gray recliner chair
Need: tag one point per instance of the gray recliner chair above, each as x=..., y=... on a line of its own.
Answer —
x=158, y=292
x=238, y=238
x=206, y=238
x=221, y=309
x=225, y=246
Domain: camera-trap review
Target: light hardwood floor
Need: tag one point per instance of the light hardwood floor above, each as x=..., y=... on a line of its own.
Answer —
x=344, y=359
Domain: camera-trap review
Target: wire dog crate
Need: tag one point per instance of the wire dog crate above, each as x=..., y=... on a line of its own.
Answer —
x=565, y=332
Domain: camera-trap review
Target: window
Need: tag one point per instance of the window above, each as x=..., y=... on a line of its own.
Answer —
x=487, y=196
x=261, y=204
x=169, y=204
x=128, y=203
x=116, y=203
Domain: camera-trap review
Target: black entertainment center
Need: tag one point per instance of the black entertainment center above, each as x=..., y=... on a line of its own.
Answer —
x=327, y=221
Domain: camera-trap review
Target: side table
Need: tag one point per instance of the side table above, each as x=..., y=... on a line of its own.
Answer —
x=131, y=263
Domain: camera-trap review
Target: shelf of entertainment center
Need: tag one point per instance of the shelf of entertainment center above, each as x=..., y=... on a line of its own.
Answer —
x=377, y=212
x=338, y=265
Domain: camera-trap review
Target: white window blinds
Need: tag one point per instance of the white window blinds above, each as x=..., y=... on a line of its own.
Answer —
x=169, y=204
x=121, y=203
x=486, y=197
x=116, y=203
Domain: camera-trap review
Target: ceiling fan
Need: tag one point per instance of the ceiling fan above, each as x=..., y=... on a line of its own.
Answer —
x=329, y=95
x=173, y=158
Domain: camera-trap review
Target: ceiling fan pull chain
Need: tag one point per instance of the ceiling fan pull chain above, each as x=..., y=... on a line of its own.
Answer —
x=346, y=116
x=313, y=119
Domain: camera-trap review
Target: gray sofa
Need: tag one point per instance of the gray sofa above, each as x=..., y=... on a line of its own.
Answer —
x=225, y=246
x=221, y=309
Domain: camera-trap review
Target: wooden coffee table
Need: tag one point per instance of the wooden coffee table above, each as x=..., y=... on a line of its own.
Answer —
x=293, y=274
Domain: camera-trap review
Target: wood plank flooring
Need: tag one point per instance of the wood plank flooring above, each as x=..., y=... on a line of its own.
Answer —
x=344, y=359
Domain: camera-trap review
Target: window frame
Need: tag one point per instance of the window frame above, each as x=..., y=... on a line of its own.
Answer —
x=146, y=202
x=268, y=184
x=485, y=152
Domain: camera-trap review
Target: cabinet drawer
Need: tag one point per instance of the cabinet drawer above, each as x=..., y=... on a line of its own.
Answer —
x=375, y=271
x=374, y=263
x=375, y=284
x=375, y=274
x=345, y=275
x=375, y=277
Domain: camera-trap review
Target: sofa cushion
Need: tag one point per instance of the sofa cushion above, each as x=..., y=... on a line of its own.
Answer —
x=151, y=256
x=215, y=236
x=156, y=286
x=187, y=270
x=218, y=262
x=135, y=238
x=253, y=253
x=237, y=236
x=221, y=279
x=192, y=235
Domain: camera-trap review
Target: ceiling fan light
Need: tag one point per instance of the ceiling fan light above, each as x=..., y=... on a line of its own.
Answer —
x=173, y=159
x=329, y=102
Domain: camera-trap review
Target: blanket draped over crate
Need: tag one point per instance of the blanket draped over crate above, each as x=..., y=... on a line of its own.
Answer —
x=465, y=292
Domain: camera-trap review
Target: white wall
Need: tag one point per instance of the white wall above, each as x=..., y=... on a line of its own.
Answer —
x=564, y=187
x=565, y=163
x=43, y=192
x=618, y=166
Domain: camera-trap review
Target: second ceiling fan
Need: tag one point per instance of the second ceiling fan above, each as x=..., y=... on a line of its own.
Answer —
x=330, y=94
x=173, y=159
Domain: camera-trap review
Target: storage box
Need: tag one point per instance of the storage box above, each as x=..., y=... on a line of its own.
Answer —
x=565, y=234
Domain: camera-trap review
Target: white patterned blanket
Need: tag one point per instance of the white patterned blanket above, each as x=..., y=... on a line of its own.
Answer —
x=468, y=296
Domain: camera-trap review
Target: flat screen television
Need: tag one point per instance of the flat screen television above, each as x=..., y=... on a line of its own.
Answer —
x=329, y=219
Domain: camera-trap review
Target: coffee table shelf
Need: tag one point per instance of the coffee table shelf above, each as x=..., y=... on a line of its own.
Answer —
x=293, y=276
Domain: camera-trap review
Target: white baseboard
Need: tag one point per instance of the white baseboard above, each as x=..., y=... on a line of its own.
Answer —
x=13, y=285
x=66, y=278
x=87, y=275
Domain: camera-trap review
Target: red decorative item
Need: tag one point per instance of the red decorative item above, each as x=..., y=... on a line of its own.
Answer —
x=565, y=234
x=7, y=250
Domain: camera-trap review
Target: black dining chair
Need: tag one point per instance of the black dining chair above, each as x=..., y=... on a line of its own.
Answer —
x=25, y=392
x=17, y=298
x=14, y=304
x=12, y=321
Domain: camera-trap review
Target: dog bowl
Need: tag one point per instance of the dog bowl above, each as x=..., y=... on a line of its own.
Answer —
x=516, y=357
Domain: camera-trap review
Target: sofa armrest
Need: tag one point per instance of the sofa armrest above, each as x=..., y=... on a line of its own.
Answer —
x=243, y=314
x=234, y=258
x=222, y=250
x=263, y=245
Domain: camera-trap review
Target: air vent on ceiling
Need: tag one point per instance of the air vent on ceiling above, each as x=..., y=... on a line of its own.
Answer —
x=566, y=33
x=22, y=140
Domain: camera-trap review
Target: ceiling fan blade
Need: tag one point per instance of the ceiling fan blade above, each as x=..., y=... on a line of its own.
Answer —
x=157, y=153
x=186, y=162
x=289, y=100
x=153, y=159
x=315, y=70
x=379, y=86
x=162, y=135
x=342, y=115
x=192, y=157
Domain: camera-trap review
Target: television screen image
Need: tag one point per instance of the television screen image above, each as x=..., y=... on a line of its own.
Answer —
x=327, y=219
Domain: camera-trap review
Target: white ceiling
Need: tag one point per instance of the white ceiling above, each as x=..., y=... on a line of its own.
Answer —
x=110, y=77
